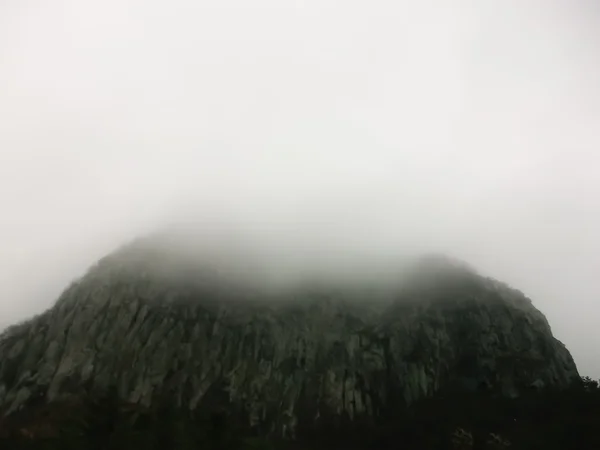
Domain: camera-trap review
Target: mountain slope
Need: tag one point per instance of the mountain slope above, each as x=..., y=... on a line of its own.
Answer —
x=285, y=359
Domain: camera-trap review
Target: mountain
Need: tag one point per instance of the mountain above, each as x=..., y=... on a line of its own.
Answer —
x=159, y=327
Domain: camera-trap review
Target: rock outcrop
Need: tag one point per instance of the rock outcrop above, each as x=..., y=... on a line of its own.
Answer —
x=285, y=358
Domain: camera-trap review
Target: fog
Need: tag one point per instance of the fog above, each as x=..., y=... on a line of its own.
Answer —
x=469, y=128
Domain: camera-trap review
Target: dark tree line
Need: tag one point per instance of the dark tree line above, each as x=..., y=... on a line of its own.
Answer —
x=544, y=419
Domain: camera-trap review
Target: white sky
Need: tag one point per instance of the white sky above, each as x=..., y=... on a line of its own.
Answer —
x=467, y=127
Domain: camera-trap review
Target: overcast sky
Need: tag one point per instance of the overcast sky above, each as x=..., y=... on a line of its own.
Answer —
x=465, y=127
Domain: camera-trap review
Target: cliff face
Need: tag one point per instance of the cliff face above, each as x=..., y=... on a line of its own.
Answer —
x=287, y=358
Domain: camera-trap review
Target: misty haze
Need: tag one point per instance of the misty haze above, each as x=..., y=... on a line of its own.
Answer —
x=295, y=143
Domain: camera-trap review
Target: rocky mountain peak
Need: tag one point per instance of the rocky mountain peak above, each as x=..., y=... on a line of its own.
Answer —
x=202, y=333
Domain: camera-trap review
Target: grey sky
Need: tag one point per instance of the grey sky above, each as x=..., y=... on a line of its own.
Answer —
x=466, y=127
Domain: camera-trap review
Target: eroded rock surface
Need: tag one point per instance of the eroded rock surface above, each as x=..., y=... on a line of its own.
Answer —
x=286, y=358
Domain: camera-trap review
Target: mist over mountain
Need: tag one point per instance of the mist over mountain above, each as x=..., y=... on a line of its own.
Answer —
x=469, y=128
x=229, y=224
x=215, y=324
